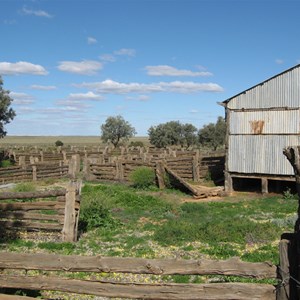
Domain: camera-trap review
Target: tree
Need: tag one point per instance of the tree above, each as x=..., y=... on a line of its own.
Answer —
x=189, y=134
x=116, y=129
x=59, y=143
x=172, y=133
x=6, y=112
x=213, y=135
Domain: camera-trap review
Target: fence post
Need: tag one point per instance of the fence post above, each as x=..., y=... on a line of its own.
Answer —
x=160, y=174
x=34, y=173
x=283, y=290
x=42, y=156
x=293, y=156
x=74, y=165
x=196, y=175
x=69, y=233
x=119, y=170
x=64, y=153
x=22, y=162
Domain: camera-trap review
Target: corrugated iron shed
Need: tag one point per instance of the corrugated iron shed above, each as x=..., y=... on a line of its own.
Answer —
x=261, y=121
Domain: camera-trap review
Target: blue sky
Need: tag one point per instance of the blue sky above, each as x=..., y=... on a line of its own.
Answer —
x=70, y=64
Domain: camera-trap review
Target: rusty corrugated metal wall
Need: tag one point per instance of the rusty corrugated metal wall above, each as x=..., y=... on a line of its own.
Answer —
x=262, y=121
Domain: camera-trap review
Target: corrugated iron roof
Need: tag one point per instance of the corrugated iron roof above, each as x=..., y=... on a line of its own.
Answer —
x=261, y=83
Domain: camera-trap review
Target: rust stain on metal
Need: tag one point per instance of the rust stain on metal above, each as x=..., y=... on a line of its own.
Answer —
x=257, y=126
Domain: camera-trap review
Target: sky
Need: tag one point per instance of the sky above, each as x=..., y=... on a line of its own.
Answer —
x=71, y=64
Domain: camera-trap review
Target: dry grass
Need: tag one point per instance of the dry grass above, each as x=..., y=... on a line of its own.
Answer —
x=50, y=140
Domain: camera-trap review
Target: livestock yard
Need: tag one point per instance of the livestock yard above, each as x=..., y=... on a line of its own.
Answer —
x=76, y=225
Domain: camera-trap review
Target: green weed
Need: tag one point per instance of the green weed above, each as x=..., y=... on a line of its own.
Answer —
x=25, y=187
x=142, y=177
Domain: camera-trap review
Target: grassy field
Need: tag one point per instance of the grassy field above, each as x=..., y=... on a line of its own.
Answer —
x=50, y=140
x=119, y=220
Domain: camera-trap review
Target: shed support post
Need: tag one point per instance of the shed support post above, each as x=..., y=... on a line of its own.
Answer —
x=264, y=186
x=228, y=183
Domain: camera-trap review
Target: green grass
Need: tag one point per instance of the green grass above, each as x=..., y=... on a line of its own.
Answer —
x=125, y=221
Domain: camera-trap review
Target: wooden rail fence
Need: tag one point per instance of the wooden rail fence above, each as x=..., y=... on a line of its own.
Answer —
x=52, y=210
x=134, y=290
x=190, y=165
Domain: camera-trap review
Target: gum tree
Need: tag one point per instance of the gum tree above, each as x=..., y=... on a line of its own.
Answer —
x=6, y=112
x=116, y=129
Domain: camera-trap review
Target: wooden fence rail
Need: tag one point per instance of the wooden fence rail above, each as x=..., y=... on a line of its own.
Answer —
x=135, y=290
x=32, y=213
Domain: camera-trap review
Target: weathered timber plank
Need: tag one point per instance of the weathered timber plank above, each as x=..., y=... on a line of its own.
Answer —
x=30, y=216
x=26, y=206
x=23, y=195
x=30, y=225
x=14, y=297
x=216, y=291
x=183, y=182
x=74, y=263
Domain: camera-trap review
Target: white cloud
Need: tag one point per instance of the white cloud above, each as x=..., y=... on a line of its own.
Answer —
x=43, y=87
x=91, y=40
x=113, y=87
x=24, y=109
x=125, y=52
x=21, y=67
x=37, y=13
x=10, y=22
x=21, y=98
x=110, y=86
x=279, y=61
x=142, y=98
x=193, y=111
x=85, y=67
x=86, y=96
x=107, y=57
x=164, y=70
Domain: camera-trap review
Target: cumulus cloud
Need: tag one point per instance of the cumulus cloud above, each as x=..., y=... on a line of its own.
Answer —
x=91, y=40
x=37, y=13
x=125, y=52
x=164, y=70
x=107, y=57
x=43, y=87
x=142, y=98
x=21, y=98
x=69, y=105
x=113, y=87
x=21, y=67
x=86, y=96
x=85, y=67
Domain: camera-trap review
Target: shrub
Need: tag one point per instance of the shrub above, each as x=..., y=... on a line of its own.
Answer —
x=142, y=177
x=59, y=143
x=136, y=144
x=94, y=210
x=5, y=163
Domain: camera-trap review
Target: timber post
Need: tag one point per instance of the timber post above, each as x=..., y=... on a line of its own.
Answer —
x=22, y=162
x=293, y=156
x=74, y=165
x=160, y=174
x=34, y=173
x=119, y=170
x=69, y=233
x=196, y=175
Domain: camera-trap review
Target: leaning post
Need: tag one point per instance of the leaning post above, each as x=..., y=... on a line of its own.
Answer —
x=292, y=266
